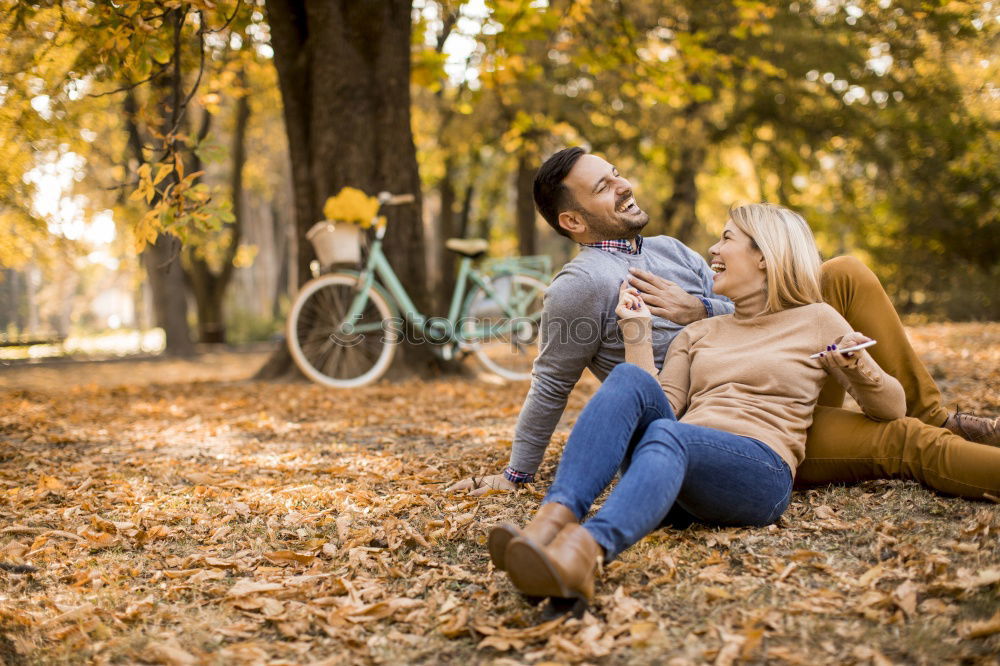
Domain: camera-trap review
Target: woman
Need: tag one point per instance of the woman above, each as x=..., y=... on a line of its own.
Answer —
x=720, y=436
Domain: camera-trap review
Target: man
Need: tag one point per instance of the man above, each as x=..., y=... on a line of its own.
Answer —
x=584, y=198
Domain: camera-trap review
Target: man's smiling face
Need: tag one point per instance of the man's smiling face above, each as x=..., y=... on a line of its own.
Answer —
x=605, y=199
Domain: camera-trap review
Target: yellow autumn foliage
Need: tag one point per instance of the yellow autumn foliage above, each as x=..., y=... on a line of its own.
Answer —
x=353, y=206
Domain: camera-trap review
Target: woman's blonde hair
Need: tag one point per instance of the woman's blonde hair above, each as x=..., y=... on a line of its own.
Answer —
x=790, y=255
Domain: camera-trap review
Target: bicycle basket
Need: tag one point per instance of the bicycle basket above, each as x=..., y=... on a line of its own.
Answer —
x=335, y=242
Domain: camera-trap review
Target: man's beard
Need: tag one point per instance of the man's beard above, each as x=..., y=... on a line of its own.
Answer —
x=614, y=228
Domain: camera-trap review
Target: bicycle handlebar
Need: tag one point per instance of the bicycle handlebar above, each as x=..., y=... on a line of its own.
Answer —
x=390, y=199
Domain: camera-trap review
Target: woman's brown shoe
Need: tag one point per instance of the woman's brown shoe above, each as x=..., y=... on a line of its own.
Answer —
x=542, y=529
x=565, y=568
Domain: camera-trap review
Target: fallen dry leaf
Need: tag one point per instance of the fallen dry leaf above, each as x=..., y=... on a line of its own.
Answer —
x=247, y=587
x=169, y=653
x=455, y=625
x=905, y=597
x=980, y=629
x=289, y=557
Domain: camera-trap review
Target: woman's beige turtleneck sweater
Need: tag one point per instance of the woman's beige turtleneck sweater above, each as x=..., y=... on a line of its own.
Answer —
x=753, y=376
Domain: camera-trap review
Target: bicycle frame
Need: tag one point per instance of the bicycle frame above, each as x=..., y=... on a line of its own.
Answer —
x=444, y=331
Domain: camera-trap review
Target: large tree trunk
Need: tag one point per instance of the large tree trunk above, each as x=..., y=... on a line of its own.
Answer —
x=10, y=313
x=679, y=210
x=466, y=212
x=526, y=235
x=166, y=281
x=344, y=72
x=209, y=287
x=204, y=283
x=162, y=259
x=446, y=229
x=280, y=233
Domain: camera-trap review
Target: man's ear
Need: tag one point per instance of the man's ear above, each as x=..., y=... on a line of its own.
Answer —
x=572, y=222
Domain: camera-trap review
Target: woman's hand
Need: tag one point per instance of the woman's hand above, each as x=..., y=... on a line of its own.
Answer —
x=630, y=303
x=831, y=357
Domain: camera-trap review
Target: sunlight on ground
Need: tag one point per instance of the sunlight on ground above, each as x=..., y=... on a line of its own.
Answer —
x=62, y=375
x=116, y=343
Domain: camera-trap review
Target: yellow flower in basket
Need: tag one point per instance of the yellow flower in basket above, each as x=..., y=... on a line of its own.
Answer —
x=353, y=206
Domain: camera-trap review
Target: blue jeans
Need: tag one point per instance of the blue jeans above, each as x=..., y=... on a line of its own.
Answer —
x=670, y=470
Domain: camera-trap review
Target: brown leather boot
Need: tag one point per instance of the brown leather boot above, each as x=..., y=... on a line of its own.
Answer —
x=565, y=568
x=542, y=529
x=974, y=428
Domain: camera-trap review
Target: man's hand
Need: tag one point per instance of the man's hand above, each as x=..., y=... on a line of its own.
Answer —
x=480, y=485
x=665, y=299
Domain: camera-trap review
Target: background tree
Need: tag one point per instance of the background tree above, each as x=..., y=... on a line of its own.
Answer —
x=153, y=58
x=344, y=72
x=210, y=262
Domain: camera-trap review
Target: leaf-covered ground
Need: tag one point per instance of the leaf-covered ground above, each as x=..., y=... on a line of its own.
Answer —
x=149, y=518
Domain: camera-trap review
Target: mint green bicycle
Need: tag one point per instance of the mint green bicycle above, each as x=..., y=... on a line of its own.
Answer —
x=344, y=326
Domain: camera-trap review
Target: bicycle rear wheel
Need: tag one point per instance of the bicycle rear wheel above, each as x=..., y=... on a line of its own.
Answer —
x=502, y=329
x=320, y=347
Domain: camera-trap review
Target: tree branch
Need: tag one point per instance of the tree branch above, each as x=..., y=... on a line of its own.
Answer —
x=449, y=24
x=175, y=111
x=131, y=86
x=238, y=160
x=132, y=126
x=179, y=112
x=230, y=19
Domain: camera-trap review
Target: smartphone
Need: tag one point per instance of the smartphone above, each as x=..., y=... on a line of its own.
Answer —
x=863, y=345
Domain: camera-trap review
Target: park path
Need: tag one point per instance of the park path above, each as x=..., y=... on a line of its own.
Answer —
x=61, y=374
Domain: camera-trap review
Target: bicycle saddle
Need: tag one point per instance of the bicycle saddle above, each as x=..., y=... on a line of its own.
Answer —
x=468, y=247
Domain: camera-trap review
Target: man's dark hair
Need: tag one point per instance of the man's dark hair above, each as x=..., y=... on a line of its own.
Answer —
x=551, y=196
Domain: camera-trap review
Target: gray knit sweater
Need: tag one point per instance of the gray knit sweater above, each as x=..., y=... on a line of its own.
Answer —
x=579, y=330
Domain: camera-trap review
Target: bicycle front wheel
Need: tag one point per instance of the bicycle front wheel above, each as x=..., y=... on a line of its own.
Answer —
x=323, y=349
x=502, y=328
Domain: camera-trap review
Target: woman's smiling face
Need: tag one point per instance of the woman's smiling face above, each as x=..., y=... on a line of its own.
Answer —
x=738, y=265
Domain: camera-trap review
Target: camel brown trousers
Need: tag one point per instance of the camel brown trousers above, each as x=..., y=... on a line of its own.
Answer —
x=844, y=446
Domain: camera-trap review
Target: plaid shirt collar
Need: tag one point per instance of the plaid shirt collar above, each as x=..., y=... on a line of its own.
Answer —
x=619, y=245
